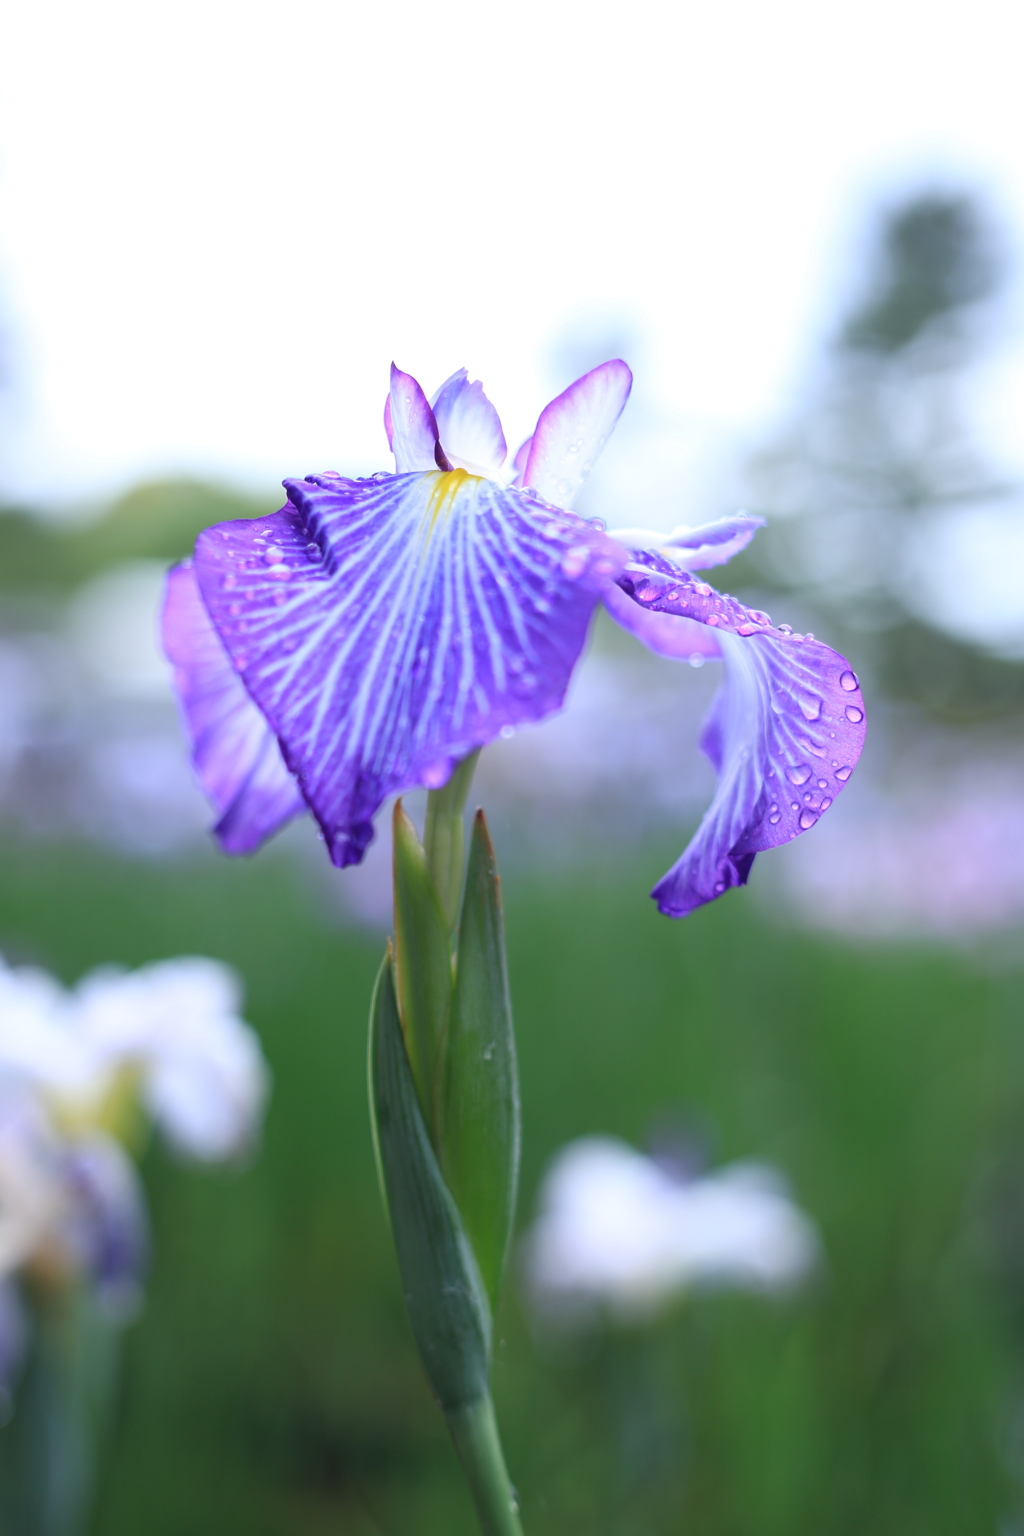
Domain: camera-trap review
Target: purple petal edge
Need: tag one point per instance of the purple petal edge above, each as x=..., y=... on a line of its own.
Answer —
x=785, y=733
x=234, y=751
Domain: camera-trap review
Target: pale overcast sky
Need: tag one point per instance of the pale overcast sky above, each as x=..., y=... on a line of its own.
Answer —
x=219, y=221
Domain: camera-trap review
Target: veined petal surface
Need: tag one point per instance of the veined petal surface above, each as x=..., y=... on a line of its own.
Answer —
x=571, y=431
x=785, y=732
x=235, y=753
x=388, y=627
x=468, y=425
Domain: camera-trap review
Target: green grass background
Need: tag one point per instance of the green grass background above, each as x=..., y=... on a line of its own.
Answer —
x=271, y=1388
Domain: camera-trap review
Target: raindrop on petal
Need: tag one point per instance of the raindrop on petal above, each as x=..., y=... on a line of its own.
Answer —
x=853, y=714
x=799, y=773
x=807, y=819
x=842, y=774
x=849, y=682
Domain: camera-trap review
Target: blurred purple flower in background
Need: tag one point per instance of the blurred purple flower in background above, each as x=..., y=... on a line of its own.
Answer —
x=372, y=633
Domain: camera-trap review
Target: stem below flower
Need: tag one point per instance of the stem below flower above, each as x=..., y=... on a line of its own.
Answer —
x=444, y=838
x=475, y=1433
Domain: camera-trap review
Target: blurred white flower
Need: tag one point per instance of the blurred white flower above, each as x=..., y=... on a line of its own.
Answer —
x=204, y=1078
x=30, y=1193
x=171, y=1030
x=71, y=1209
x=77, y=1070
x=618, y=1233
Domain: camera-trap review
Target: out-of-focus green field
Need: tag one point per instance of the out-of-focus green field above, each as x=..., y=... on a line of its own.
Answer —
x=271, y=1386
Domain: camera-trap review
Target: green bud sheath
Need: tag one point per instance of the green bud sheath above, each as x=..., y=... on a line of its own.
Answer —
x=445, y=1296
x=423, y=960
x=478, y=1113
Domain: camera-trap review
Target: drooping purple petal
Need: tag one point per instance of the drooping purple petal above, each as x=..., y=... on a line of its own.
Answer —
x=410, y=424
x=571, y=431
x=785, y=732
x=388, y=627
x=105, y=1225
x=234, y=751
x=663, y=633
x=469, y=427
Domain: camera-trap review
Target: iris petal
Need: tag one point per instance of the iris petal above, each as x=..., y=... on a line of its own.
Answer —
x=571, y=431
x=410, y=425
x=388, y=627
x=663, y=633
x=785, y=733
x=468, y=425
x=698, y=549
x=234, y=751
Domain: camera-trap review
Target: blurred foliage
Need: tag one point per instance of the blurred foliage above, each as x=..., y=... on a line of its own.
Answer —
x=158, y=521
x=881, y=447
x=935, y=258
x=271, y=1385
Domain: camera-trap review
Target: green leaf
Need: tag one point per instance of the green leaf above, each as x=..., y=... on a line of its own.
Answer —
x=447, y=1303
x=478, y=1083
x=423, y=958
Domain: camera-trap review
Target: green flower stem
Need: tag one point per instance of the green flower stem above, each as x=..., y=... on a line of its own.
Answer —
x=444, y=838
x=475, y=1433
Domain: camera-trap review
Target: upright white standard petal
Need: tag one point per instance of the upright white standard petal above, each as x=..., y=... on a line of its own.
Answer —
x=618, y=1234
x=410, y=425
x=571, y=431
x=469, y=427
x=202, y=1072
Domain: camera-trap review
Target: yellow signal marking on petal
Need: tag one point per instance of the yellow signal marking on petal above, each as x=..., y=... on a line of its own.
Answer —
x=448, y=484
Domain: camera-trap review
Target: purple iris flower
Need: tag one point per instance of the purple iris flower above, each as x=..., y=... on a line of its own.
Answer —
x=373, y=632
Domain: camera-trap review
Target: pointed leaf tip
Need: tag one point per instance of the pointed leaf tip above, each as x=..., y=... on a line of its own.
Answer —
x=478, y=1083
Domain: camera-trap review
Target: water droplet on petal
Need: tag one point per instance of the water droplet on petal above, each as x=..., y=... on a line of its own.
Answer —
x=719, y=887
x=713, y=618
x=810, y=707
x=853, y=714
x=826, y=803
x=696, y=659
x=799, y=773
x=785, y=629
x=574, y=561
x=775, y=817
x=842, y=774
x=272, y=554
x=508, y=731
x=849, y=682
x=807, y=820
